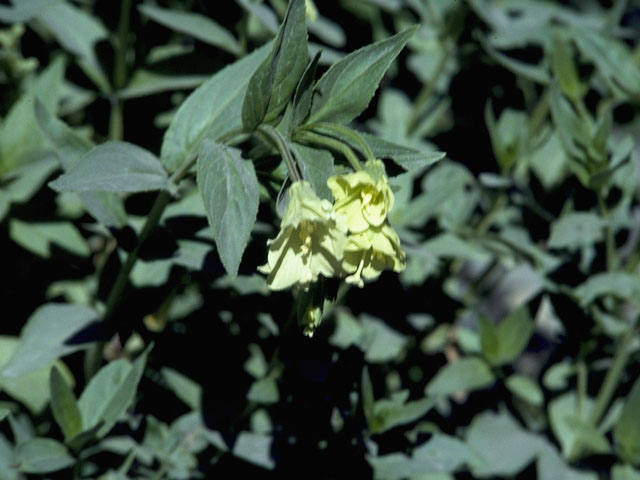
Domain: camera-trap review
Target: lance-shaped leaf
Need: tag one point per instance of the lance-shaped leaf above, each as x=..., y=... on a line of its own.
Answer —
x=273, y=82
x=211, y=110
x=347, y=87
x=229, y=188
x=114, y=167
x=64, y=405
x=304, y=92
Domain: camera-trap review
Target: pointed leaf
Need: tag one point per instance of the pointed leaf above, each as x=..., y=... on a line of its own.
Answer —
x=41, y=455
x=273, y=82
x=114, y=167
x=347, y=87
x=304, y=92
x=316, y=166
x=627, y=429
x=64, y=405
x=229, y=188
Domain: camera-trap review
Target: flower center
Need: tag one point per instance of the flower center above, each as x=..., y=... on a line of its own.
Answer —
x=305, y=230
x=367, y=194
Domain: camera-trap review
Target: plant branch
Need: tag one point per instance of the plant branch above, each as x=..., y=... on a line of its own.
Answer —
x=341, y=130
x=276, y=138
x=333, y=144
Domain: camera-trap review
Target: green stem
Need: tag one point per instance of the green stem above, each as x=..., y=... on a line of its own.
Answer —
x=116, y=122
x=612, y=258
x=333, y=144
x=116, y=118
x=612, y=378
x=342, y=131
x=540, y=112
x=426, y=92
x=581, y=370
x=276, y=138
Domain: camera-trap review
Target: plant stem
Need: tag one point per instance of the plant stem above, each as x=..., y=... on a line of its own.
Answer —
x=612, y=378
x=581, y=370
x=329, y=142
x=612, y=258
x=116, y=119
x=342, y=131
x=274, y=136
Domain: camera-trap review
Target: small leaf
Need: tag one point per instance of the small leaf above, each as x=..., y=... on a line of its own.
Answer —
x=210, y=111
x=38, y=237
x=576, y=230
x=254, y=448
x=276, y=78
x=564, y=67
x=410, y=159
x=346, y=89
x=41, y=455
x=627, y=429
x=618, y=284
x=64, y=405
x=49, y=334
x=304, y=92
x=316, y=166
x=624, y=472
x=504, y=343
x=526, y=389
x=186, y=389
x=229, y=188
x=196, y=25
x=466, y=374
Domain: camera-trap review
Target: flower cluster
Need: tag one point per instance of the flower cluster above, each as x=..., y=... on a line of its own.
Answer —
x=352, y=237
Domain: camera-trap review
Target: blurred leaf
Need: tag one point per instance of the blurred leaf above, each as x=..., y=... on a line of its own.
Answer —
x=146, y=82
x=613, y=60
x=526, y=389
x=153, y=273
x=466, y=374
x=114, y=167
x=41, y=455
x=273, y=83
x=441, y=454
x=262, y=13
x=508, y=135
x=380, y=342
x=627, y=429
x=624, y=472
x=50, y=333
x=316, y=166
x=410, y=159
x=186, y=389
x=211, y=110
x=38, y=237
x=620, y=285
x=304, y=92
x=229, y=188
x=254, y=448
x=79, y=40
x=391, y=412
x=503, y=343
x=110, y=392
x=563, y=66
x=575, y=230
x=551, y=466
x=64, y=405
x=565, y=421
x=347, y=87
x=502, y=446
x=24, y=10
x=19, y=131
x=264, y=391
x=537, y=73
x=329, y=32
x=195, y=25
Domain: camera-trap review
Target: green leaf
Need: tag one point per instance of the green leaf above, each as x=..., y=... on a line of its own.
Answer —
x=196, y=25
x=79, y=40
x=276, y=78
x=254, y=448
x=186, y=389
x=110, y=392
x=209, y=111
x=564, y=68
x=408, y=158
x=38, y=237
x=503, y=343
x=536, y=73
x=380, y=342
x=526, y=389
x=316, y=166
x=627, y=429
x=613, y=60
x=114, y=167
x=576, y=230
x=395, y=411
x=146, y=82
x=347, y=87
x=64, y=405
x=48, y=335
x=41, y=455
x=466, y=374
x=564, y=422
x=19, y=133
x=503, y=448
x=617, y=284
x=304, y=92
x=229, y=188
x=264, y=391
x=25, y=10
x=624, y=472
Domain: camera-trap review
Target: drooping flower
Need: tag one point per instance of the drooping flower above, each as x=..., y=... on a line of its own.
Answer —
x=368, y=253
x=363, y=197
x=310, y=242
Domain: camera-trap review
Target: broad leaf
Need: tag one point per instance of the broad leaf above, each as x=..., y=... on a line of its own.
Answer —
x=274, y=81
x=408, y=158
x=211, y=110
x=503, y=343
x=627, y=429
x=463, y=375
x=41, y=455
x=304, y=92
x=114, y=167
x=346, y=89
x=38, y=237
x=576, y=230
x=229, y=188
x=316, y=166
x=50, y=333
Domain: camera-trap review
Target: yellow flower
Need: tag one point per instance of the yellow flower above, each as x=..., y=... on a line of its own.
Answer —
x=310, y=242
x=368, y=253
x=363, y=197
x=311, y=320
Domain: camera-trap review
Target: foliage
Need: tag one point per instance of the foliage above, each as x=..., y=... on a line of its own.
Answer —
x=186, y=191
